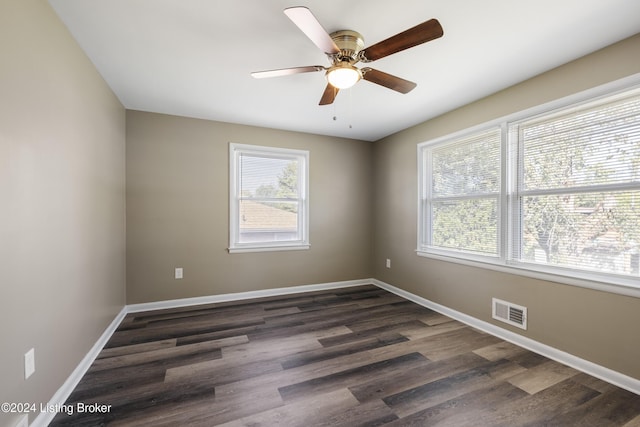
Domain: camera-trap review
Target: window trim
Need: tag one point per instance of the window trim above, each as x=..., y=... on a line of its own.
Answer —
x=234, y=179
x=607, y=282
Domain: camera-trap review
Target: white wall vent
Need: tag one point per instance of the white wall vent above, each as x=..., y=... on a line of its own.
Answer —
x=510, y=313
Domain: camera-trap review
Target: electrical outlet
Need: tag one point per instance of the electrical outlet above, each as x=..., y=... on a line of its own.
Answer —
x=388, y=263
x=23, y=421
x=179, y=273
x=29, y=363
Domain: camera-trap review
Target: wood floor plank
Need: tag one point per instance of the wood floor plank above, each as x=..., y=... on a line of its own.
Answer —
x=216, y=335
x=228, y=312
x=101, y=382
x=170, y=414
x=383, y=299
x=431, y=330
x=334, y=316
x=542, y=376
x=500, y=350
x=616, y=407
x=302, y=317
x=311, y=356
x=458, y=341
x=463, y=410
x=359, y=334
x=433, y=318
x=379, y=387
x=370, y=414
x=593, y=382
x=136, y=348
x=390, y=318
x=303, y=373
x=529, y=359
x=312, y=409
x=139, y=398
x=221, y=374
x=351, y=377
x=450, y=387
x=138, y=336
x=118, y=379
x=329, y=367
x=241, y=356
x=204, y=413
x=357, y=356
x=634, y=422
x=164, y=353
x=533, y=409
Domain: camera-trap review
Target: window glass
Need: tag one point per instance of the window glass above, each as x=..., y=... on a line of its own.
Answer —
x=462, y=193
x=580, y=186
x=268, y=197
x=571, y=201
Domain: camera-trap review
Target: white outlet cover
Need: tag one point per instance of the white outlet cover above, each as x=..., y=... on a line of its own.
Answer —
x=179, y=273
x=29, y=363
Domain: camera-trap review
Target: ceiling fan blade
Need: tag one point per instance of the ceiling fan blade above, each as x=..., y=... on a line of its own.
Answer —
x=388, y=80
x=329, y=95
x=286, y=71
x=415, y=36
x=308, y=24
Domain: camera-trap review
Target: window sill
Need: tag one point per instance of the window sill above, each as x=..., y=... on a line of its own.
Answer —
x=622, y=286
x=245, y=249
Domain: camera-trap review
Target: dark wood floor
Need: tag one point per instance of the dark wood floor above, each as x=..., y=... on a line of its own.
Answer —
x=349, y=357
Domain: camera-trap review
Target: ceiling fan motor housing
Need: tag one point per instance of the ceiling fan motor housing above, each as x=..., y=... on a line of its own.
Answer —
x=350, y=44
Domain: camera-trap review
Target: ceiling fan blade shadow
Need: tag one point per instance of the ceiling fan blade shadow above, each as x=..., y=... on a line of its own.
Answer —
x=286, y=71
x=421, y=33
x=388, y=80
x=329, y=95
x=308, y=24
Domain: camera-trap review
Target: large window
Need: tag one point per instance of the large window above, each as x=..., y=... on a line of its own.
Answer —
x=557, y=192
x=268, y=198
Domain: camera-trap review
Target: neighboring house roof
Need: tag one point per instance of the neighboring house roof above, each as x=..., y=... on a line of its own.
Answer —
x=258, y=216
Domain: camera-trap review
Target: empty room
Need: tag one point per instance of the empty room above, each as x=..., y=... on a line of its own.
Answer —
x=305, y=213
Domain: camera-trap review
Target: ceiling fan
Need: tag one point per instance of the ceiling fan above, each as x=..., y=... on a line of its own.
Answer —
x=345, y=48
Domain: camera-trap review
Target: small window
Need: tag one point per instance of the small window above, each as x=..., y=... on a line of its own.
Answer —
x=268, y=198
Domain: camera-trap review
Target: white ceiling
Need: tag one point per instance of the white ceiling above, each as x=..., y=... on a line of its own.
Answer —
x=193, y=57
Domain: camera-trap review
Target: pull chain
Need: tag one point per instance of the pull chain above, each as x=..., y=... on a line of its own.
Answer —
x=349, y=109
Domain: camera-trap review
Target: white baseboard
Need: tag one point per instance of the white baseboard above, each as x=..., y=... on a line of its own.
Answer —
x=63, y=393
x=621, y=380
x=238, y=296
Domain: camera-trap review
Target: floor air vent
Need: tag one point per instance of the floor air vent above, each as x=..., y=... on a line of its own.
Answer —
x=510, y=313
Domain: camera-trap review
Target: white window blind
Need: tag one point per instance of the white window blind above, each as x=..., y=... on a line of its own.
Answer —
x=578, y=196
x=556, y=193
x=462, y=196
x=268, y=198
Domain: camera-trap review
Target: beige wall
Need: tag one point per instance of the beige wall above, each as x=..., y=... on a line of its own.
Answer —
x=62, y=218
x=594, y=325
x=178, y=210
x=62, y=209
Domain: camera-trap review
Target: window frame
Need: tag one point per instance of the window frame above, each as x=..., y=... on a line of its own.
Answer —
x=510, y=179
x=302, y=156
x=426, y=199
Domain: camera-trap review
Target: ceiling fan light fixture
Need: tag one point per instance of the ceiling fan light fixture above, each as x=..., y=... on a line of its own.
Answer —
x=343, y=75
x=345, y=48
